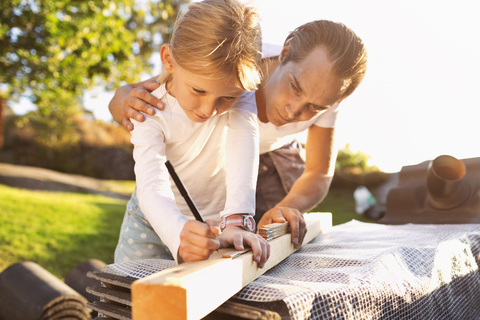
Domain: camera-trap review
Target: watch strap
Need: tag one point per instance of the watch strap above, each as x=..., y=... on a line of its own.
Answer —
x=245, y=221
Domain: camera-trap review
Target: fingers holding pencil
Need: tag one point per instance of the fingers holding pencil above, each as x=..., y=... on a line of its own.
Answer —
x=198, y=240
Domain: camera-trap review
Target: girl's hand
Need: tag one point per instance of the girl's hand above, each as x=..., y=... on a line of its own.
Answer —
x=238, y=237
x=198, y=240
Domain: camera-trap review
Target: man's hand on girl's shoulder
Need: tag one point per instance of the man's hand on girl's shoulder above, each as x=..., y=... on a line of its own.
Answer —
x=139, y=100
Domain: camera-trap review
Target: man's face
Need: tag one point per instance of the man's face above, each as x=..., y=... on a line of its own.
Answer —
x=297, y=91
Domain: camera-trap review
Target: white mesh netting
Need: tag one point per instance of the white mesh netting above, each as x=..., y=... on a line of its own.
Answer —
x=369, y=271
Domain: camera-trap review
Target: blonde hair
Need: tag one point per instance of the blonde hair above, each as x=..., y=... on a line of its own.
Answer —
x=218, y=38
x=345, y=50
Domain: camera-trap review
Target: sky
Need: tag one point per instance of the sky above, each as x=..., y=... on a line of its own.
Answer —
x=420, y=96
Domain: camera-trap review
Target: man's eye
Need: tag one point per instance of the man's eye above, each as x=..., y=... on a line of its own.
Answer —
x=316, y=108
x=294, y=87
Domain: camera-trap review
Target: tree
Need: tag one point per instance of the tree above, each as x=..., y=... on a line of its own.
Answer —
x=348, y=159
x=52, y=51
x=2, y=119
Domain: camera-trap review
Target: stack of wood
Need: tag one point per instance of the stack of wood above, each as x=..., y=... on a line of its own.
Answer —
x=114, y=293
x=116, y=301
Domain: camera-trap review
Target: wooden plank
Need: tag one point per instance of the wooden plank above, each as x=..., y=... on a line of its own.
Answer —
x=192, y=290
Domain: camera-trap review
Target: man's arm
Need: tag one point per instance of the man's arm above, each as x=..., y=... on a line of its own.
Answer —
x=311, y=187
x=130, y=99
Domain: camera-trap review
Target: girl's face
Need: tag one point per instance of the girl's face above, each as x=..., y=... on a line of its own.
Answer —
x=297, y=91
x=201, y=98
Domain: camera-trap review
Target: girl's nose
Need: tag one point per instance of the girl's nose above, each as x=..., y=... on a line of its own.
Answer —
x=208, y=109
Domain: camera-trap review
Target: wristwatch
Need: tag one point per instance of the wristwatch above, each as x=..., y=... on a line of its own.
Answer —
x=245, y=221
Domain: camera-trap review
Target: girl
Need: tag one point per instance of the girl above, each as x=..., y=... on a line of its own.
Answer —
x=212, y=59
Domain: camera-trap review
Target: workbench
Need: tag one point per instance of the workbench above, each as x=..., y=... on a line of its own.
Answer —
x=370, y=271
x=374, y=271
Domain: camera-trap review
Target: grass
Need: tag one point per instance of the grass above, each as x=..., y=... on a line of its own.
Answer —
x=57, y=230
x=119, y=186
x=60, y=230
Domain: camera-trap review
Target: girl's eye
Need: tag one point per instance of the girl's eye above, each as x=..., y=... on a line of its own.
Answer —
x=229, y=98
x=198, y=91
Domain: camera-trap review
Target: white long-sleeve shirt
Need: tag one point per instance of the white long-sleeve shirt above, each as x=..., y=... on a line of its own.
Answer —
x=217, y=161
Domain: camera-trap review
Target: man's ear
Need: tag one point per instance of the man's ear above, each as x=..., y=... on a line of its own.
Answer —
x=167, y=59
x=285, y=52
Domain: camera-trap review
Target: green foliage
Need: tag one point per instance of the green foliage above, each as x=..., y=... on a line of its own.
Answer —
x=346, y=158
x=64, y=44
x=353, y=168
x=52, y=51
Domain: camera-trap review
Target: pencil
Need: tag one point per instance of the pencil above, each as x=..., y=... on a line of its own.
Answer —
x=184, y=192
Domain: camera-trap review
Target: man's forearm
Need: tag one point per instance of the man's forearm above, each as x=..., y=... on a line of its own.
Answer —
x=308, y=191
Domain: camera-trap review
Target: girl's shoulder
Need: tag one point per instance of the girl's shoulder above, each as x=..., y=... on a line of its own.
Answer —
x=246, y=102
x=170, y=105
x=172, y=120
x=160, y=92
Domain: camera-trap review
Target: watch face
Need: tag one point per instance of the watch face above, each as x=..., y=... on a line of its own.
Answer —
x=250, y=223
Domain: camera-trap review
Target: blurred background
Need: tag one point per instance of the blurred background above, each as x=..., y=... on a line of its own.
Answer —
x=418, y=99
x=62, y=60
